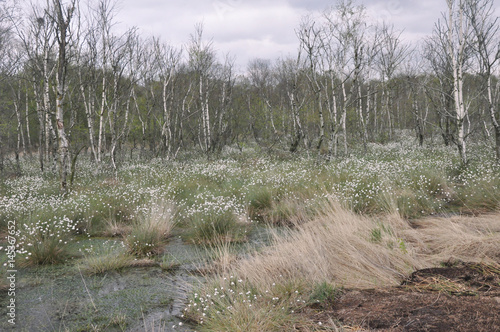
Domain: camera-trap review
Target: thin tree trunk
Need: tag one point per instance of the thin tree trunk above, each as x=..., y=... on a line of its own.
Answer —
x=63, y=142
x=362, y=118
x=20, y=133
x=494, y=119
x=368, y=111
x=62, y=138
x=28, y=134
x=101, y=118
x=332, y=108
x=344, y=117
x=298, y=133
x=321, y=122
x=388, y=112
x=497, y=145
x=457, y=64
x=89, y=106
x=205, y=114
x=41, y=133
x=167, y=127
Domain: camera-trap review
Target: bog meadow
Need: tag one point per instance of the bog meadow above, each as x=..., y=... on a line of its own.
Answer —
x=354, y=186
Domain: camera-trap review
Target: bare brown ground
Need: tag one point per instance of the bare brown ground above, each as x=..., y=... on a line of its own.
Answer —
x=457, y=297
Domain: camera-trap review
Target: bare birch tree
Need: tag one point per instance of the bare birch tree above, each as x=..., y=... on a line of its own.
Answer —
x=392, y=53
x=167, y=59
x=310, y=39
x=486, y=31
x=345, y=34
x=291, y=76
x=37, y=36
x=62, y=17
x=202, y=60
x=224, y=77
x=457, y=29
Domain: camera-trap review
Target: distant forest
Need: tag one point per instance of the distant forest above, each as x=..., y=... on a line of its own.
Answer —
x=69, y=83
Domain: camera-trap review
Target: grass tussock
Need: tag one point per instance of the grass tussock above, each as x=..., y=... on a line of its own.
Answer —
x=104, y=259
x=150, y=232
x=288, y=212
x=308, y=266
x=116, y=229
x=480, y=196
x=333, y=246
x=260, y=201
x=279, y=209
x=213, y=228
x=168, y=263
x=232, y=304
x=45, y=241
x=223, y=256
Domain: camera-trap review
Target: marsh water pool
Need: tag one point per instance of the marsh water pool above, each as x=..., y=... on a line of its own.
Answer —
x=60, y=298
x=140, y=298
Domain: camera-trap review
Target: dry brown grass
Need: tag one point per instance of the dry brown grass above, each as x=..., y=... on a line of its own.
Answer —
x=149, y=233
x=288, y=212
x=334, y=246
x=341, y=248
x=116, y=229
x=337, y=246
x=470, y=239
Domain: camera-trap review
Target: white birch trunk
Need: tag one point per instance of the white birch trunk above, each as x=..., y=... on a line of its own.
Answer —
x=457, y=60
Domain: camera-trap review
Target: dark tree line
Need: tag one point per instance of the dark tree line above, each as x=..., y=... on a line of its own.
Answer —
x=70, y=83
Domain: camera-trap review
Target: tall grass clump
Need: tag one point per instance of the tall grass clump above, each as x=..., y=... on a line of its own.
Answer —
x=107, y=206
x=151, y=230
x=280, y=206
x=290, y=211
x=260, y=201
x=233, y=304
x=107, y=257
x=213, y=227
x=468, y=239
x=45, y=240
x=479, y=190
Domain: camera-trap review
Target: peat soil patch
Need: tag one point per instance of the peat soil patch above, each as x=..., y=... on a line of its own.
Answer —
x=457, y=297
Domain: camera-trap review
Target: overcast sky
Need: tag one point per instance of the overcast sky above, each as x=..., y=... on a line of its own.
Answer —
x=249, y=29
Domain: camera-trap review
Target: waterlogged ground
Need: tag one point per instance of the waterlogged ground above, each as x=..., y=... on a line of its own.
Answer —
x=60, y=298
x=139, y=298
x=251, y=187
